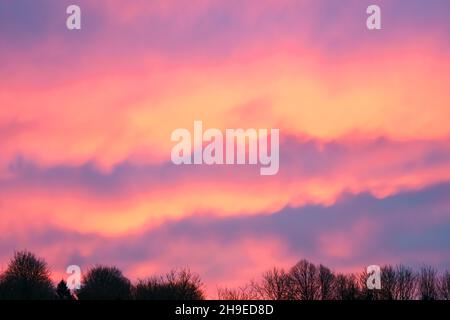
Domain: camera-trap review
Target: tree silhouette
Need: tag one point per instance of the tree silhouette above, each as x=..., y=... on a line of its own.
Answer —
x=176, y=285
x=428, y=283
x=275, y=285
x=303, y=279
x=364, y=292
x=444, y=286
x=104, y=283
x=63, y=292
x=346, y=287
x=406, y=283
x=248, y=292
x=327, y=283
x=389, y=283
x=26, y=278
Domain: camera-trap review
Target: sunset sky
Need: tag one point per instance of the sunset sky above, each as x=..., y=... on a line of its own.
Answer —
x=86, y=118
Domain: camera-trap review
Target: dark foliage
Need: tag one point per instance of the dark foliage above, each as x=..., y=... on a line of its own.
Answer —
x=26, y=278
x=63, y=292
x=176, y=285
x=104, y=283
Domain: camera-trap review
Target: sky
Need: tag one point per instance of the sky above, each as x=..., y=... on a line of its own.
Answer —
x=86, y=118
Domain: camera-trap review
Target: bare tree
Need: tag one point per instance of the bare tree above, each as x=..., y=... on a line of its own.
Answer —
x=444, y=286
x=346, y=287
x=274, y=285
x=428, y=283
x=406, y=283
x=364, y=292
x=326, y=283
x=388, y=283
x=186, y=284
x=175, y=285
x=242, y=293
x=304, y=281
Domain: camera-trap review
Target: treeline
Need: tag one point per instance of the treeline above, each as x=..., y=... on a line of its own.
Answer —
x=29, y=277
x=307, y=281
